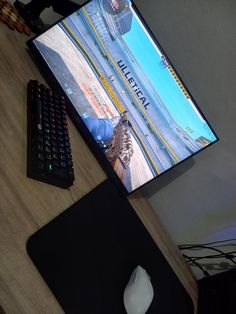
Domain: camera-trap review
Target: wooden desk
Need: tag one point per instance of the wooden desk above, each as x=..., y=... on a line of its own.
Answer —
x=26, y=204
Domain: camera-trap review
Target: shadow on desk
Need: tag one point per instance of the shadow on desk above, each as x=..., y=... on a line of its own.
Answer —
x=165, y=179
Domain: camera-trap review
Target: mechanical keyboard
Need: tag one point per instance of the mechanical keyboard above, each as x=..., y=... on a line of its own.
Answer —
x=49, y=156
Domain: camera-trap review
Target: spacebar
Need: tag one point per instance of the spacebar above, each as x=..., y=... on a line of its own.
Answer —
x=60, y=172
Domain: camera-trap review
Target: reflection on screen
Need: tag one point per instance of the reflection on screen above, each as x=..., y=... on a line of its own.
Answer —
x=122, y=86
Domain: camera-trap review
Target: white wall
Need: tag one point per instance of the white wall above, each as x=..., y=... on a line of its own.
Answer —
x=200, y=39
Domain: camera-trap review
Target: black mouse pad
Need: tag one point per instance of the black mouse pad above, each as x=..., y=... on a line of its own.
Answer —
x=87, y=254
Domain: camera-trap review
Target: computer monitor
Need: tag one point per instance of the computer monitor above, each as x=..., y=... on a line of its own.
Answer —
x=125, y=97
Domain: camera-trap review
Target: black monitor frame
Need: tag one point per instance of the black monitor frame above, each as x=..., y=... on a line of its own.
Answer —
x=77, y=120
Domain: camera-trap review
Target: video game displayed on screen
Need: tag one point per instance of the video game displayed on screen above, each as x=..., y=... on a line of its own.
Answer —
x=124, y=89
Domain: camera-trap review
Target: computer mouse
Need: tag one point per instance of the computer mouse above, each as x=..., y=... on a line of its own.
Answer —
x=138, y=294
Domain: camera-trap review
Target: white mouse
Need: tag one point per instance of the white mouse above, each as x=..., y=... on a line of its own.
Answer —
x=138, y=294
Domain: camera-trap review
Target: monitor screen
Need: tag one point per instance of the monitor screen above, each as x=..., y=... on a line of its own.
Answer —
x=123, y=88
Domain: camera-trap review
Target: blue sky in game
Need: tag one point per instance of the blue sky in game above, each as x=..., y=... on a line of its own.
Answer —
x=177, y=104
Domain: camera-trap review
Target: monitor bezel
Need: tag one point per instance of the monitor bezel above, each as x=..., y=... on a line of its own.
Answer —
x=77, y=120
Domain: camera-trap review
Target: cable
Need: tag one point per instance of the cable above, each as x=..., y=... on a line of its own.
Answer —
x=215, y=266
x=206, y=274
x=210, y=256
x=206, y=246
x=226, y=255
x=230, y=252
x=203, y=247
x=210, y=243
x=232, y=259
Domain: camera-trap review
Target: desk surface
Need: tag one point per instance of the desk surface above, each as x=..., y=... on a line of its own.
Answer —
x=26, y=204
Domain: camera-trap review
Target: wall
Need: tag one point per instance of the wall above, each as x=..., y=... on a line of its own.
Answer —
x=199, y=38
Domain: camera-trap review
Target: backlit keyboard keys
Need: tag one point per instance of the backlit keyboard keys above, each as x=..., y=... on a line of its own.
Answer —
x=49, y=153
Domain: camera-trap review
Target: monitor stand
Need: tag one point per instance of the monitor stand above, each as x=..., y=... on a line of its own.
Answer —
x=87, y=254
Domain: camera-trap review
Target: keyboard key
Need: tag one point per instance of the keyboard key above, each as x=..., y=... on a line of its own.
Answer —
x=59, y=123
x=45, y=119
x=39, y=147
x=49, y=167
x=45, y=113
x=55, y=156
x=40, y=156
x=56, y=163
x=47, y=150
x=44, y=98
x=48, y=156
x=47, y=137
x=62, y=157
x=54, y=143
x=39, y=138
x=43, y=88
x=60, y=172
x=50, y=92
x=54, y=149
x=39, y=165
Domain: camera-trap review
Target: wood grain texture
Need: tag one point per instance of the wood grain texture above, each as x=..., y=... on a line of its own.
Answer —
x=26, y=204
